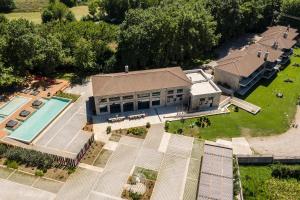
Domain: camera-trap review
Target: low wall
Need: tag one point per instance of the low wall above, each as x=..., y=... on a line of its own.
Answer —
x=266, y=159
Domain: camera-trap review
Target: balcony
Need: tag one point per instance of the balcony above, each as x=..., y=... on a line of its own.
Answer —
x=246, y=81
x=244, y=89
x=269, y=74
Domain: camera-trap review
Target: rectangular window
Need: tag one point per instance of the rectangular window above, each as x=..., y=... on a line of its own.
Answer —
x=103, y=109
x=114, y=99
x=210, y=98
x=103, y=100
x=179, y=96
x=127, y=97
x=156, y=94
x=170, y=91
x=169, y=99
x=180, y=91
x=143, y=95
x=202, y=101
x=156, y=103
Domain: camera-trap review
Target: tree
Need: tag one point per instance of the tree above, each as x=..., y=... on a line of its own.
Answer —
x=290, y=7
x=159, y=36
x=7, y=5
x=56, y=11
x=85, y=56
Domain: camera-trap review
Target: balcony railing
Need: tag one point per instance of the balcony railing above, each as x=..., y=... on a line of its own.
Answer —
x=246, y=81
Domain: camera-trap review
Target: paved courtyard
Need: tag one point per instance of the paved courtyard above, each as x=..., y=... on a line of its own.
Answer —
x=168, y=154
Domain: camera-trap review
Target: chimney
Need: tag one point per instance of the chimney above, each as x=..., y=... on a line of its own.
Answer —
x=267, y=55
x=259, y=53
x=126, y=68
x=285, y=35
x=275, y=45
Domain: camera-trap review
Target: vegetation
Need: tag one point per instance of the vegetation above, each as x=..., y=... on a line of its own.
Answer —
x=290, y=7
x=137, y=131
x=74, y=97
x=258, y=183
x=149, y=174
x=108, y=129
x=39, y=172
x=57, y=11
x=148, y=125
x=7, y=5
x=281, y=111
x=18, y=156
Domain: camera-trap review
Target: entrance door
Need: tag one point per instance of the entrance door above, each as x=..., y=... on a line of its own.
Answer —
x=143, y=105
x=128, y=106
x=115, y=108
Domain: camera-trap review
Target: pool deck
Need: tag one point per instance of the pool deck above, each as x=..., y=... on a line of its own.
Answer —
x=59, y=85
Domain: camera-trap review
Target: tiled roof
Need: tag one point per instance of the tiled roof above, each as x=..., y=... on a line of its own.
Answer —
x=139, y=81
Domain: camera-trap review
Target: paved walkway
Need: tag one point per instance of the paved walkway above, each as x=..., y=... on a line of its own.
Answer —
x=287, y=144
x=249, y=107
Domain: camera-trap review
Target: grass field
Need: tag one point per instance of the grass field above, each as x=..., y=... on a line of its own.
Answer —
x=274, y=118
x=258, y=183
x=30, y=5
x=79, y=12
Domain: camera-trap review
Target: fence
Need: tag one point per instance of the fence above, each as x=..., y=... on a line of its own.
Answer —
x=266, y=159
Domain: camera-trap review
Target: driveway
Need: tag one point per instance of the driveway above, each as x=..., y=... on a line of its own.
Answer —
x=287, y=144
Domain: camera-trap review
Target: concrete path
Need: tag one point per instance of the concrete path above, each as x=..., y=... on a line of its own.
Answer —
x=287, y=144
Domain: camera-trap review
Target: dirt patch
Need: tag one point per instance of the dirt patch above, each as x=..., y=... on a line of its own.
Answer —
x=102, y=158
x=92, y=154
x=115, y=137
x=125, y=132
x=57, y=174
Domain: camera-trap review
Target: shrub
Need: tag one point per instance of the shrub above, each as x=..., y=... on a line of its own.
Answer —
x=7, y=5
x=139, y=131
x=71, y=170
x=39, y=172
x=167, y=126
x=73, y=97
x=11, y=164
x=285, y=172
x=3, y=149
x=148, y=125
x=180, y=131
x=135, y=195
x=108, y=130
x=236, y=109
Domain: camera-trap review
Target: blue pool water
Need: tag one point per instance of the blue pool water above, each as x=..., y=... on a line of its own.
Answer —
x=13, y=105
x=29, y=129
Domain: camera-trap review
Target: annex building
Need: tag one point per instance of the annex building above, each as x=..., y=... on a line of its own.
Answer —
x=138, y=90
x=242, y=69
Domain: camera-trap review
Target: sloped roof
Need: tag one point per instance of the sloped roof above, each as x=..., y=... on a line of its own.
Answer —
x=139, y=81
x=245, y=62
x=276, y=34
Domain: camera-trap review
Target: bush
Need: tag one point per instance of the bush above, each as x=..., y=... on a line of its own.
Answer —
x=285, y=172
x=108, y=130
x=39, y=172
x=167, y=125
x=3, y=149
x=71, y=170
x=138, y=131
x=148, y=125
x=236, y=109
x=180, y=131
x=12, y=164
x=73, y=97
x=135, y=195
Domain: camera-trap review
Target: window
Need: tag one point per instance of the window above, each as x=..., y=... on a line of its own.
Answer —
x=143, y=95
x=211, y=99
x=156, y=103
x=103, y=109
x=201, y=101
x=180, y=91
x=179, y=96
x=127, y=97
x=114, y=99
x=156, y=94
x=169, y=98
x=103, y=100
x=170, y=91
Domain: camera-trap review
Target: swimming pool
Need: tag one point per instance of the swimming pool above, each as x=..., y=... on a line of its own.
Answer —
x=13, y=105
x=1, y=118
x=31, y=128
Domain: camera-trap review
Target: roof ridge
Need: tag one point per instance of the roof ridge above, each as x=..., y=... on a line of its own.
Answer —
x=179, y=76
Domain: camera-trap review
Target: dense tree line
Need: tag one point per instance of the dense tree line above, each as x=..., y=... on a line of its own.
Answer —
x=81, y=47
x=292, y=8
x=7, y=5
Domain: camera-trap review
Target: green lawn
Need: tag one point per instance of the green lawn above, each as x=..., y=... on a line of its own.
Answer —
x=35, y=16
x=274, y=118
x=258, y=183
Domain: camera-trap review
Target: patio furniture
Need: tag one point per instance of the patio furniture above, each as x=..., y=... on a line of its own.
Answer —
x=26, y=90
x=24, y=113
x=37, y=103
x=11, y=124
x=279, y=95
x=34, y=93
x=138, y=116
x=116, y=119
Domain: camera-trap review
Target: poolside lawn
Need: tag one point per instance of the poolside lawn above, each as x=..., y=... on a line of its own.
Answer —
x=275, y=117
x=258, y=183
